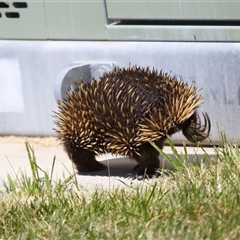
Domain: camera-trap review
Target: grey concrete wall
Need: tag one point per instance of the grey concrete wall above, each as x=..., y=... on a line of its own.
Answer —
x=28, y=70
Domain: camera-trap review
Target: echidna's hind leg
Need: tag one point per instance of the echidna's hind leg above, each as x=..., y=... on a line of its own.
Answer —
x=148, y=161
x=84, y=160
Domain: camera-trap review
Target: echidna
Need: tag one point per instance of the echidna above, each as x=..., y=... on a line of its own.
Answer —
x=125, y=110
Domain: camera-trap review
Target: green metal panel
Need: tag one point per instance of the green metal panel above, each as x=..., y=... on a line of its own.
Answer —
x=22, y=20
x=173, y=33
x=104, y=20
x=83, y=20
x=178, y=10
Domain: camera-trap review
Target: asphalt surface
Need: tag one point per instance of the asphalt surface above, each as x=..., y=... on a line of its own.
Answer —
x=14, y=161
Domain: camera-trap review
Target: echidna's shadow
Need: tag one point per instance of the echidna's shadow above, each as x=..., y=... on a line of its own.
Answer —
x=115, y=167
x=124, y=167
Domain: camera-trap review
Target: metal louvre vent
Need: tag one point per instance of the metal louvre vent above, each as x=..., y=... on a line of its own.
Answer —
x=10, y=10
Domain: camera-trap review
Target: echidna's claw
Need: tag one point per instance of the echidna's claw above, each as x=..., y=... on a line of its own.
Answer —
x=196, y=131
x=202, y=132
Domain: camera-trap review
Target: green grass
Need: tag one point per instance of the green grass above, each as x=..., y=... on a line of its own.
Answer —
x=200, y=201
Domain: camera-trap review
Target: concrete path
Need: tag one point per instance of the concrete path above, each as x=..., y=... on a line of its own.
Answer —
x=14, y=161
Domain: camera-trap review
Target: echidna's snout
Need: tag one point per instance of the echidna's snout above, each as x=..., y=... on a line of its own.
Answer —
x=196, y=131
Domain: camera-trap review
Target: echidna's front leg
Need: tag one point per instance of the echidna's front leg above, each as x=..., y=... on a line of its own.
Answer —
x=148, y=161
x=84, y=160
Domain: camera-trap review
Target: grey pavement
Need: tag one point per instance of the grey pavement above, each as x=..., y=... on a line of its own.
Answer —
x=14, y=161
